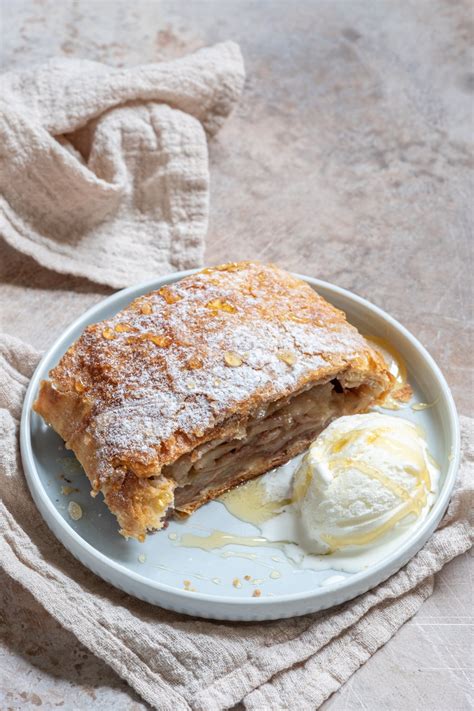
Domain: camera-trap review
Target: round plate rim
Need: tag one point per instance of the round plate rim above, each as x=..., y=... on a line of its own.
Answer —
x=346, y=589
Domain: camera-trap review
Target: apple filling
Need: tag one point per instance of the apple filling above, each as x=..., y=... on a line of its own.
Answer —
x=270, y=438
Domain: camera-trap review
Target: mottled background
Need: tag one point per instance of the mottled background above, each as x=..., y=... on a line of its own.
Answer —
x=349, y=158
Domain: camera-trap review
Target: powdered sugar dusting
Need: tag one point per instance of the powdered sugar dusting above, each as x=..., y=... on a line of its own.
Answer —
x=156, y=374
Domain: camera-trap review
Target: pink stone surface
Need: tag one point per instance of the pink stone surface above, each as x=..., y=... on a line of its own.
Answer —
x=350, y=159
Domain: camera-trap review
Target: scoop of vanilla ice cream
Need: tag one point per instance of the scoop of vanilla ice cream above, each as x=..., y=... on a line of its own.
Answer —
x=365, y=477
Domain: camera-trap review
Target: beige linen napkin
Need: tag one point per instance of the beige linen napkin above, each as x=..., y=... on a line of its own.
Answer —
x=177, y=663
x=103, y=171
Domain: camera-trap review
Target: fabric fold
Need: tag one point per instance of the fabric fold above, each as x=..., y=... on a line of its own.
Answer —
x=175, y=662
x=103, y=171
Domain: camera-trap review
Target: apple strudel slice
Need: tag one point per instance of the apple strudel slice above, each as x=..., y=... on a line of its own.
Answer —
x=204, y=384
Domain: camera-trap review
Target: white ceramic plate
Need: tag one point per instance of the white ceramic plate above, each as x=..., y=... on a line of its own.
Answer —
x=155, y=571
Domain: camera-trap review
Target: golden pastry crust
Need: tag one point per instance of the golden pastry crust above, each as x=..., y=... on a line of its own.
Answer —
x=191, y=363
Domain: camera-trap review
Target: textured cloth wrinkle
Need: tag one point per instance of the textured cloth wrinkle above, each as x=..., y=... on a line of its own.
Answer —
x=103, y=171
x=179, y=663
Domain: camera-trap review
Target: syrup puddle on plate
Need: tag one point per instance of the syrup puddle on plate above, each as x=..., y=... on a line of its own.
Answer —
x=219, y=539
x=419, y=406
